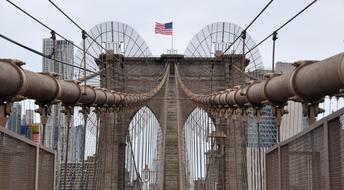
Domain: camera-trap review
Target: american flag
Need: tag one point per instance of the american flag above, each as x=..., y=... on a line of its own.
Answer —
x=164, y=28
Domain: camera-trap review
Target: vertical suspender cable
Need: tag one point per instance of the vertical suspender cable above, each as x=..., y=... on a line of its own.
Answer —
x=146, y=138
x=85, y=112
x=143, y=156
x=139, y=147
x=189, y=139
x=235, y=154
x=203, y=145
x=197, y=149
x=96, y=159
x=152, y=140
x=68, y=112
x=193, y=151
x=143, y=126
x=202, y=142
x=133, y=148
x=259, y=154
x=243, y=36
x=84, y=36
x=274, y=38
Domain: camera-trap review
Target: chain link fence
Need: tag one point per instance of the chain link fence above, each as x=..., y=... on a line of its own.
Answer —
x=311, y=160
x=24, y=165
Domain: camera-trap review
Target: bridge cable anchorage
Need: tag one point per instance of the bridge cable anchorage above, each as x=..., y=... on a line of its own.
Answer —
x=42, y=54
x=248, y=26
x=282, y=26
x=78, y=26
x=46, y=26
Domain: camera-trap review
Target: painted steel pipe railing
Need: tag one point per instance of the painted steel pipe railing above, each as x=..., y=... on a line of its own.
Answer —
x=310, y=81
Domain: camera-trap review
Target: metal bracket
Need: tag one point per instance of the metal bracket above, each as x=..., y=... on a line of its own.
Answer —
x=44, y=111
x=311, y=109
x=69, y=112
x=85, y=111
x=5, y=110
x=258, y=114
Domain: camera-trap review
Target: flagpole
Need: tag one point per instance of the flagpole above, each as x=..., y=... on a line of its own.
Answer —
x=172, y=43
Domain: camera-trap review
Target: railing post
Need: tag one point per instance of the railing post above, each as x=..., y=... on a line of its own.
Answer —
x=327, y=156
x=54, y=174
x=279, y=168
x=37, y=166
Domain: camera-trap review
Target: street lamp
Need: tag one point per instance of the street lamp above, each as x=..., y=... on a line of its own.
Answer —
x=146, y=174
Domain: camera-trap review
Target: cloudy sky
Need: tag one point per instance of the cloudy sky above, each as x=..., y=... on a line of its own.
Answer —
x=316, y=34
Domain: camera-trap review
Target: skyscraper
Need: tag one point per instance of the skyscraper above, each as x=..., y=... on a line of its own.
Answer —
x=64, y=51
x=78, y=142
x=14, y=120
x=28, y=117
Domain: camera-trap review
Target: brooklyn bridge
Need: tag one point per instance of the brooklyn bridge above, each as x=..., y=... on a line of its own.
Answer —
x=113, y=116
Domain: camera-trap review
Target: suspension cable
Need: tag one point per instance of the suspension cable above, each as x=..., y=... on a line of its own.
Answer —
x=261, y=12
x=42, y=54
x=282, y=26
x=78, y=26
x=45, y=26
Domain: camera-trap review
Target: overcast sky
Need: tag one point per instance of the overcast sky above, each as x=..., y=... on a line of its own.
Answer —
x=316, y=34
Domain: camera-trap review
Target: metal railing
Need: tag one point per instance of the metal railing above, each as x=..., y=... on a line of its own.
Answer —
x=24, y=164
x=311, y=160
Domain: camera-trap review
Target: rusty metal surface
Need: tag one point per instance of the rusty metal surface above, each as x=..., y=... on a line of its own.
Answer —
x=18, y=163
x=311, y=160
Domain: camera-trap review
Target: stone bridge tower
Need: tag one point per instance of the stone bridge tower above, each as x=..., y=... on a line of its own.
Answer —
x=171, y=107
